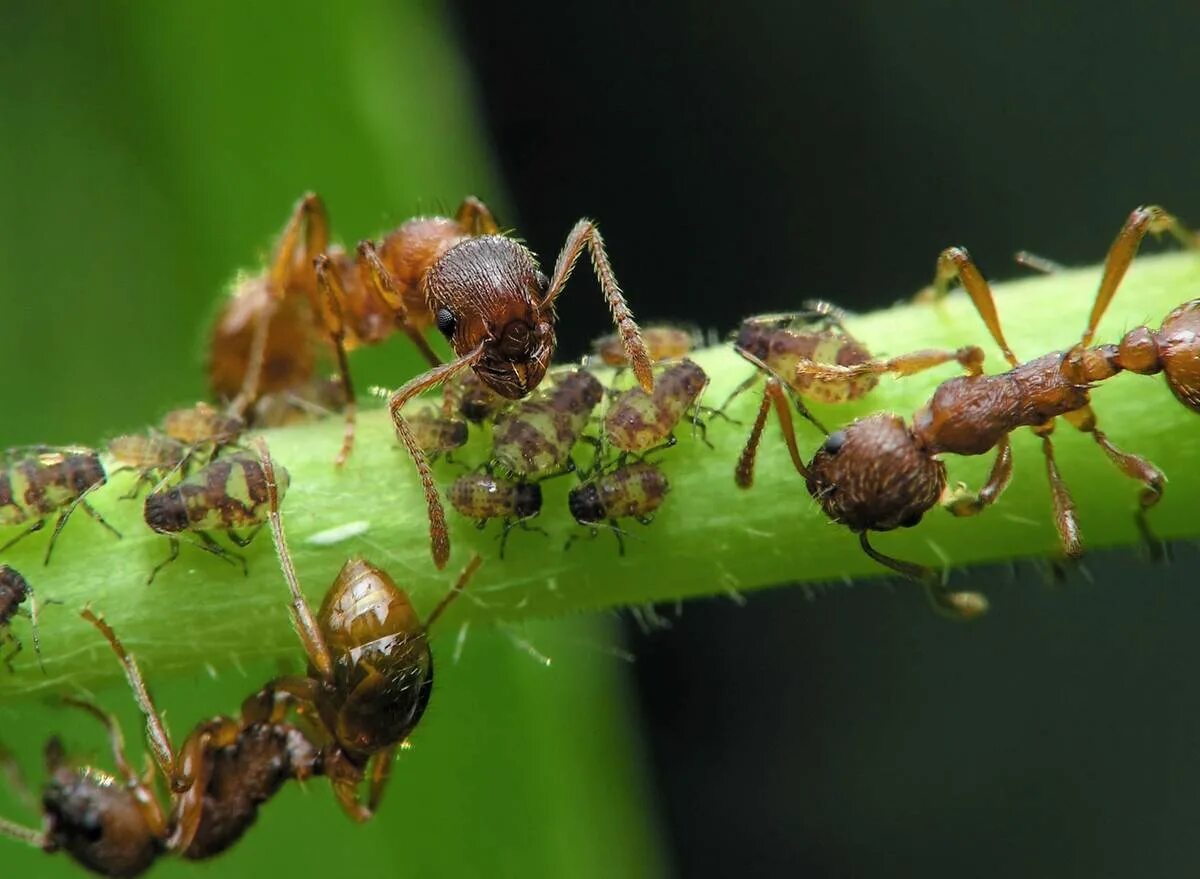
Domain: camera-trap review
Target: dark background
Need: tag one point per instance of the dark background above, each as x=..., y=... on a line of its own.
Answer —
x=740, y=153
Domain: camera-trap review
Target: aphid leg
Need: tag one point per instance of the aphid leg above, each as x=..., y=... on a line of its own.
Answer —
x=17, y=646
x=309, y=213
x=1149, y=218
x=171, y=557
x=796, y=401
x=381, y=771
x=969, y=357
x=947, y=602
x=209, y=544
x=955, y=262
x=773, y=394
x=456, y=590
x=1065, y=520
x=1133, y=466
x=32, y=529
x=385, y=286
x=243, y=542
x=302, y=616
x=335, y=294
x=156, y=731
x=439, y=538
x=962, y=502
x=830, y=315
x=586, y=234
x=613, y=526
x=737, y=392
x=21, y=833
x=61, y=522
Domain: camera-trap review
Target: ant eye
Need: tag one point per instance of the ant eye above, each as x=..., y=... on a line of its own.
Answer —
x=834, y=442
x=446, y=322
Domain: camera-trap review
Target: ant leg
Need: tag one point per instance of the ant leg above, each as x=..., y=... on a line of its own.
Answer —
x=302, y=615
x=1035, y=262
x=948, y=603
x=195, y=766
x=335, y=294
x=1146, y=219
x=773, y=394
x=1065, y=520
x=385, y=286
x=309, y=213
x=1133, y=466
x=586, y=234
x=439, y=539
x=381, y=771
x=968, y=503
x=476, y=218
x=737, y=392
x=456, y=590
x=156, y=732
x=955, y=262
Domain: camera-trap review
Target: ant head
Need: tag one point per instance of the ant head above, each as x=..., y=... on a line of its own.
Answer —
x=528, y=500
x=874, y=476
x=99, y=823
x=489, y=290
x=586, y=506
x=1179, y=350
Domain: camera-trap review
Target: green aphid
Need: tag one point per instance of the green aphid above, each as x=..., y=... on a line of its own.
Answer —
x=46, y=481
x=228, y=494
x=535, y=437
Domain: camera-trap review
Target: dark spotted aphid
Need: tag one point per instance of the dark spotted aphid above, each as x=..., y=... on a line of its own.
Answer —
x=879, y=473
x=632, y=491
x=153, y=457
x=637, y=422
x=483, y=497
x=226, y=770
x=370, y=669
x=203, y=426
x=226, y=495
x=663, y=342
x=469, y=396
x=784, y=348
x=48, y=481
x=437, y=434
x=534, y=438
x=14, y=589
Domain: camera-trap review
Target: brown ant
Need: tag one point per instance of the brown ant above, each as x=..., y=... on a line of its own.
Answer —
x=483, y=496
x=370, y=670
x=14, y=589
x=632, y=490
x=48, y=480
x=782, y=345
x=227, y=494
x=878, y=473
x=226, y=769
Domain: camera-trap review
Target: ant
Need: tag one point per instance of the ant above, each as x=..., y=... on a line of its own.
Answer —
x=482, y=496
x=637, y=421
x=632, y=490
x=782, y=346
x=370, y=671
x=14, y=589
x=227, y=494
x=50, y=480
x=534, y=438
x=879, y=473
x=226, y=769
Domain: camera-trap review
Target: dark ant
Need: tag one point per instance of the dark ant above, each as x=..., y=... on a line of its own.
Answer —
x=227, y=494
x=782, y=346
x=370, y=670
x=483, y=497
x=633, y=490
x=14, y=589
x=226, y=769
x=49, y=480
x=878, y=473
x=637, y=422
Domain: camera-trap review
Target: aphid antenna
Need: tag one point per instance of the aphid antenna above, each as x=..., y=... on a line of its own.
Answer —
x=456, y=590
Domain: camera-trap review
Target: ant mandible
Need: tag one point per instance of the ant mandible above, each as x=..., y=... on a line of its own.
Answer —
x=878, y=473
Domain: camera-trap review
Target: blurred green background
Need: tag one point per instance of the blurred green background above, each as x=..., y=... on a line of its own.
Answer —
x=149, y=151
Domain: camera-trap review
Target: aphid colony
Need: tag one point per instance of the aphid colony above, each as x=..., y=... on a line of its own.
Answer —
x=370, y=670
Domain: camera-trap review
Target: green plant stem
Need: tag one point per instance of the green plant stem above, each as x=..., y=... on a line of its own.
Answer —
x=708, y=538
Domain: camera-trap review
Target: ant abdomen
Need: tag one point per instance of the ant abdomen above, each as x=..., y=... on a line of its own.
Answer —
x=873, y=476
x=1179, y=353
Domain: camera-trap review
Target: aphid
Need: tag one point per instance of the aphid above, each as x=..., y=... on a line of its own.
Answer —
x=637, y=421
x=490, y=300
x=370, y=670
x=879, y=473
x=319, y=398
x=437, y=434
x=634, y=491
x=229, y=493
x=203, y=426
x=14, y=589
x=470, y=397
x=482, y=496
x=46, y=481
x=152, y=456
x=663, y=342
x=226, y=769
x=534, y=438
x=783, y=346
